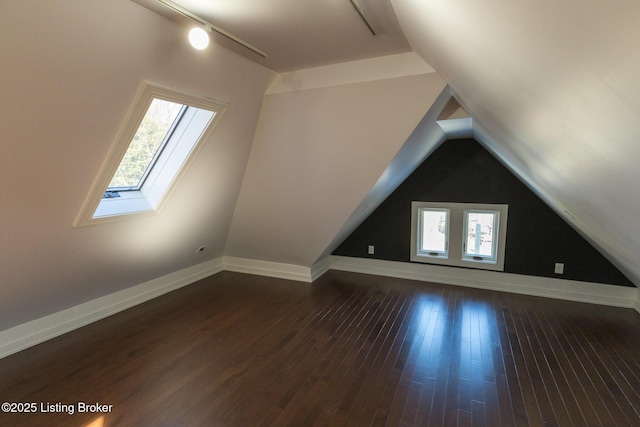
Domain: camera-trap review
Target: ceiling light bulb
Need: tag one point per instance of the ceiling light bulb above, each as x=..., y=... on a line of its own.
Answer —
x=198, y=38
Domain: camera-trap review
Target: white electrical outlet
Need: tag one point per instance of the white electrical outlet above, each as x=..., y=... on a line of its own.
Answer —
x=559, y=268
x=372, y=249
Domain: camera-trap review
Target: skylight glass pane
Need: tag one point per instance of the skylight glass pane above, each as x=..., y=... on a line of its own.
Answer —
x=146, y=143
x=480, y=231
x=434, y=231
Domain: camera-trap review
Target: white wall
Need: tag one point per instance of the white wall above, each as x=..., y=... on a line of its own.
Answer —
x=318, y=151
x=69, y=71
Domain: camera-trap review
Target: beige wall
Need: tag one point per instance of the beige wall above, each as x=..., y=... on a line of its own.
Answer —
x=316, y=154
x=70, y=71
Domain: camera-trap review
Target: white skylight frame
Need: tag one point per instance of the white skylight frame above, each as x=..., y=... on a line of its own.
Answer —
x=166, y=139
x=196, y=126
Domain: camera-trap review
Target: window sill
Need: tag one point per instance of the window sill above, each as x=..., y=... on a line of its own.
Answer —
x=467, y=263
x=129, y=202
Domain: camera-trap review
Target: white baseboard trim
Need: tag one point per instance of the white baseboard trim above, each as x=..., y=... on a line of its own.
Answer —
x=268, y=269
x=45, y=328
x=595, y=293
x=320, y=267
x=39, y=330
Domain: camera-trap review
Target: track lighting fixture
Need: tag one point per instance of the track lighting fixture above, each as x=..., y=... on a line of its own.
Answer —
x=199, y=38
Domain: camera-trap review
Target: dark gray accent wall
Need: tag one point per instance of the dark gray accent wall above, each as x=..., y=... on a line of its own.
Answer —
x=463, y=171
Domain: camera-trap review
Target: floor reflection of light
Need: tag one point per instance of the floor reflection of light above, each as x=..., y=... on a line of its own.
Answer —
x=98, y=422
x=476, y=356
x=431, y=319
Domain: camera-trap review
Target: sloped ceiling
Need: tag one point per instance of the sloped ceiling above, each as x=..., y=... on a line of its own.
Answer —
x=555, y=87
x=69, y=73
x=67, y=87
x=296, y=35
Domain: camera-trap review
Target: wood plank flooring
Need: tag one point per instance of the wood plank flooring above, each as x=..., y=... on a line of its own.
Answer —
x=349, y=350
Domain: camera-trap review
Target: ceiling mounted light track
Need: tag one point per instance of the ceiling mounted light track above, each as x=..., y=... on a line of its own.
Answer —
x=199, y=38
x=208, y=26
x=363, y=16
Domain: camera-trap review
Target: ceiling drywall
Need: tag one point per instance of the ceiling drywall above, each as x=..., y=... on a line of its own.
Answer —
x=554, y=86
x=295, y=34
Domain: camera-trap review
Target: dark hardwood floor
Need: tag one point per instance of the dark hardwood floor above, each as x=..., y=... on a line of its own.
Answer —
x=351, y=349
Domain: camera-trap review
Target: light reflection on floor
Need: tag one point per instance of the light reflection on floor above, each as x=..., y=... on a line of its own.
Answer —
x=468, y=328
x=431, y=324
x=477, y=370
x=98, y=422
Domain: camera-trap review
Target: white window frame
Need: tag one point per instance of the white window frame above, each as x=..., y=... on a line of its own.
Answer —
x=420, y=233
x=196, y=126
x=492, y=259
x=167, y=140
x=456, y=256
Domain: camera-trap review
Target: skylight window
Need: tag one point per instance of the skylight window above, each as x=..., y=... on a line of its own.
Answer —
x=151, y=137
x=154, y=148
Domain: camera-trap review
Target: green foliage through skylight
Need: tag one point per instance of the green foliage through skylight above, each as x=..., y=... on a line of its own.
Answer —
x=146, y=143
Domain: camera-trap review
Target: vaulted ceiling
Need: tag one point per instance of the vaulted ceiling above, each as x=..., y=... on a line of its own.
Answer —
x=552, y=87
x=296, y=35
x=555, y=86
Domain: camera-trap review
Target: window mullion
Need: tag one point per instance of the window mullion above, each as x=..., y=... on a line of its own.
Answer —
x=486, y=235
x=160, y=149
x=455, y=231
